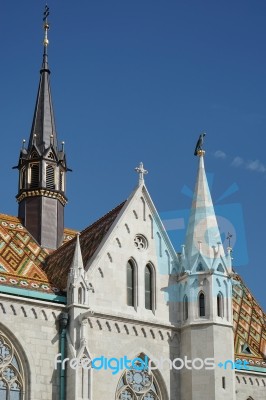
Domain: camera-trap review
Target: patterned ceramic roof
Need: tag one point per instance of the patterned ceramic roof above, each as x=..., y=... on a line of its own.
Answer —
x=21, y=258
x=249, y=326
x=58, y=263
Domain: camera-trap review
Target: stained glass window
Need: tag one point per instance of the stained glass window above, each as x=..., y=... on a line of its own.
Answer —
x=138, y=385
x=11, y=374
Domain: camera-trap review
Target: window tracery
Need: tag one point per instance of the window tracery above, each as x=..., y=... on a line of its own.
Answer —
x=12, y=385
x=138, y=385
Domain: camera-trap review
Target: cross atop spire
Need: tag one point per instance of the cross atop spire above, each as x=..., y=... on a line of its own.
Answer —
x=45, y=40
x=46, y=26
x=141, y=171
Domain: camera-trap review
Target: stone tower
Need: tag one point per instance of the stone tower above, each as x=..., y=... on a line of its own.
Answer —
x=205, y=290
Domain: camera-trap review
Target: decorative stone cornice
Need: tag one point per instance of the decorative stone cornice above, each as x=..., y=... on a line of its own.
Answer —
x=44, y=193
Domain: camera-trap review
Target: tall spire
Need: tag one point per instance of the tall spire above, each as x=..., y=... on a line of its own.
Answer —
x=43, y=131
x=203, y=236
x=42, y=166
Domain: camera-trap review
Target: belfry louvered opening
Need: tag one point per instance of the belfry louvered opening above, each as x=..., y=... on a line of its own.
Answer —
x=61, y=181
x=50, y=177
x=34, y=182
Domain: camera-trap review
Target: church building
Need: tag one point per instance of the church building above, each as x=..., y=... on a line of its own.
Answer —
x=115, y=312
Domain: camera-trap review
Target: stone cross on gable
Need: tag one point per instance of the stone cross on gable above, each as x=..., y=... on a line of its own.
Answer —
x=141, y=171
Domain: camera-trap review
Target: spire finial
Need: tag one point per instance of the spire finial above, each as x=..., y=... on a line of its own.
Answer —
x=45, y=40
x=46, y=26
x=229, y=237
x=141, y=171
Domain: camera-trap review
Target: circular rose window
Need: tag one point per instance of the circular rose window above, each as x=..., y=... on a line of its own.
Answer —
x=141, y=242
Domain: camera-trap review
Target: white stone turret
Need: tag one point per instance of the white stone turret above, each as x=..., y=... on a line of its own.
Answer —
x=205, y=289
x=77, y=285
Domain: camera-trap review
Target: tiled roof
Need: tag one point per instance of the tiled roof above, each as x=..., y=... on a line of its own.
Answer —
x=58, y=264
x=249, y=326
x=22, y=259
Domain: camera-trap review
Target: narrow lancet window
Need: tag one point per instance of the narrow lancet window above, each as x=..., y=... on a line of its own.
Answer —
x=202, y=305
x=50, y=177
x=220, y=305
x=148, y=287
x=185, y=308
x=34, y=182
x=130, y=284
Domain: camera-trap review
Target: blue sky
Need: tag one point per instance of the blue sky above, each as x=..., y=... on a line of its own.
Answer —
x=138, y=81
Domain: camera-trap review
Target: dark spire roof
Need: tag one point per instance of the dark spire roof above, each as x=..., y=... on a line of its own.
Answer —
x=43, y=132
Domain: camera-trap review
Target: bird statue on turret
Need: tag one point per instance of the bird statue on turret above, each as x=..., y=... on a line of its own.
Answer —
x=199, y=143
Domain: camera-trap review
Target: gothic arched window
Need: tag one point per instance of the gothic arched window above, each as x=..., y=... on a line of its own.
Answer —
x=148, y=287
x=185, y=308
x=50, y=177
x=12, y=382
x=34, y=180
x=131, y=295
x=137, y=384
x=23, y=179
x=220, y=305
x=80, y=296
x=200, y=267
x=201, y=305
x=220, y=268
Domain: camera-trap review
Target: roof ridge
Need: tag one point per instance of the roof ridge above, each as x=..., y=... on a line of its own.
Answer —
x=71, y=241
x=103, y=217
x=10, y=217
x=253, y=298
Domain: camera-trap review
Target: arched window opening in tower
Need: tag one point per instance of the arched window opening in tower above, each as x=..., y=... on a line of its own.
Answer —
x=61, y=181
x=23, y=179
x=202, y=305
x=50, y=177
x=185, y=308
x=34, y=181
x=220, y=305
